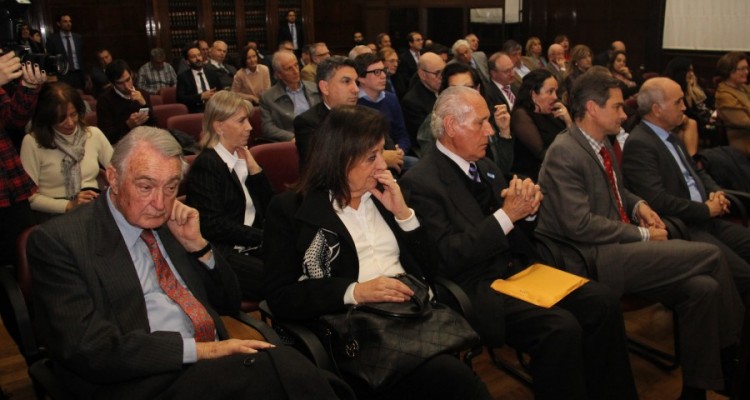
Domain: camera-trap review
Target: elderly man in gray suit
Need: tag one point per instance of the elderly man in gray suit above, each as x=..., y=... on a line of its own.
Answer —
x=128, y=294
x=585, y=201
x=285, y=100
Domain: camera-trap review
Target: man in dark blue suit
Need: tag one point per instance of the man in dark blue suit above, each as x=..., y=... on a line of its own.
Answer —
x=70, y=45
x=292, y=31
x=196, y=85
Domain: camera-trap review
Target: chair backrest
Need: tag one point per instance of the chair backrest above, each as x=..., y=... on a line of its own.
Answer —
x=257, y=131
x=89, y=99
x=192, y=124
x=168, y=94
x=156, y=100
x=90, y=118
x=280, y=162
x=164, y=111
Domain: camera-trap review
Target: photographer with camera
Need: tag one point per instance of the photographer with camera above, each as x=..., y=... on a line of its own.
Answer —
x=15, y=185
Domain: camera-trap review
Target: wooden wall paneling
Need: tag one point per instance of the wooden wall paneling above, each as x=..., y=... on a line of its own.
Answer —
x=336, y=22
x=375, y=21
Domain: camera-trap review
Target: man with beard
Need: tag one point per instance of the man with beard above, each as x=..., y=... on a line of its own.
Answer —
x=196, y=85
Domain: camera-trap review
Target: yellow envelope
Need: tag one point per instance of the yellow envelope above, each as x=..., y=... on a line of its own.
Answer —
x=539, y=284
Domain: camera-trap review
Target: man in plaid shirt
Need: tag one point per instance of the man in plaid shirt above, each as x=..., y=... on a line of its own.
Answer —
x=15, y=185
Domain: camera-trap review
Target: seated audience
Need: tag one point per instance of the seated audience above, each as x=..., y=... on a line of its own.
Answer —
x=558, y=66
x=128, y=293
x=216, y=62
x=156, y=74
x=98, y=73
x=534, y=53
x=196, y=85
x=538, y=117
x=585, y=201
x=604, y=57
x=733, y=99
x=118, y=109
x=418, y=101
x=620, y=71
x=699, y=105
x=502, y=88
x=347, y=200
x=408, y=60
x=395, y=82
x=659, y=169
x=462, y=53
x=383, y=40
x=337, y=82
x=358, y=50
x=477, y=225
x=580, y=62
x=520, y=68
x=252, y=81
x=319, y=52
x=230, y=190
x=61, y=154
x=285, y=100
x=563, y=41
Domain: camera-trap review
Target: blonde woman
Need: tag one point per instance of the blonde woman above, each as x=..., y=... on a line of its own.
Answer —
x=229, y=189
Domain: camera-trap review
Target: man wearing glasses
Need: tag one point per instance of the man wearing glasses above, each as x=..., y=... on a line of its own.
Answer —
x=418, y=101
x=320, y=52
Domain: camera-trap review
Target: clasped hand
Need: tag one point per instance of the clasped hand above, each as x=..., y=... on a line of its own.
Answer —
x=522, y=198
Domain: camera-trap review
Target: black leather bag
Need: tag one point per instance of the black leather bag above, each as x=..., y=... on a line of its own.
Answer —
x=379, y=343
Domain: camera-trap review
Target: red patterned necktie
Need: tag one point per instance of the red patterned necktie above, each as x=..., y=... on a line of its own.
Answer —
x=611, y=177
x=203, y=323
x=509, y=94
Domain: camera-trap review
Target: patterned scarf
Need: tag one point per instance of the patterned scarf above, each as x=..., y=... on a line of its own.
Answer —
x=73, y=147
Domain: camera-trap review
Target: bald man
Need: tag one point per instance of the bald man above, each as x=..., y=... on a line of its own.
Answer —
x=657, y=168
x=418, y=101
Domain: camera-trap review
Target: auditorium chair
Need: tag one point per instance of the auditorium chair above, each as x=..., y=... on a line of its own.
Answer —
x=168, y=94
x=192, y=124
x=164, y=111
x=280, y=162
x=155, y=100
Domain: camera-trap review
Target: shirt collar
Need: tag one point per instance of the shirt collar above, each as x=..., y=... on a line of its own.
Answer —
x=130, y=233
x=660, y=132
x=463, y=164
x=597, y=146
x=364, y=201
x=362, y=94
x=290, y=91
x=230, y=159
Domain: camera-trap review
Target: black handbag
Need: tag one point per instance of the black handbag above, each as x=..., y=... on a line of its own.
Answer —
x=379, y=343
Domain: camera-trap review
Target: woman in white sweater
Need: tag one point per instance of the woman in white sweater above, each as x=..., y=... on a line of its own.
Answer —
x=61, y=154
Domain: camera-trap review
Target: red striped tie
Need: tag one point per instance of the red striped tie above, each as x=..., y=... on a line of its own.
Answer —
x=203, y=323
x=611, y=178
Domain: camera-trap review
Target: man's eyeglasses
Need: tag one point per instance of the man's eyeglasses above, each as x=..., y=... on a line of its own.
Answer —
x=378, y=72
x=437, y=73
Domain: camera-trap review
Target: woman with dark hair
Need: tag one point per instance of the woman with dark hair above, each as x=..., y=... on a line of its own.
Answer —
x=733, y=99
x=340, y=237
x=537, y=117
x=252, y=81
x=620, y=71
x=61, y=154
x=230, y=190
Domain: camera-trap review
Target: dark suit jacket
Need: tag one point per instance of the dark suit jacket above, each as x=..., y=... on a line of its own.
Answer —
x=90, y=308
x=407, y=66
x=187, y=90
x=217, y=194
x=286, y=34
x=225, y=77
x=295, y=227
x=472, y=247
x=651, y=172
x=417, y=105
x=113, y=111
x=55, y=46
x=305, y=126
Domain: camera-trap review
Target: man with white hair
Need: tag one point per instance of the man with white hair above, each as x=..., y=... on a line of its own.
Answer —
x=463, y=53
x=217, y=54
x=478, y=224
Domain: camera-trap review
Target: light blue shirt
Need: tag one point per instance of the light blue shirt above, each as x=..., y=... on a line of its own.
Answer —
x=298, y=98
x=695, y=194
x=362, y=94
x=163, y=313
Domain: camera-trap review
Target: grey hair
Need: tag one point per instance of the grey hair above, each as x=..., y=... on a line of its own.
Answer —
x=649, y=95
x=452, y=101
x=458, y=44
x=357, y=50
x=158, y=139
x=276, y=60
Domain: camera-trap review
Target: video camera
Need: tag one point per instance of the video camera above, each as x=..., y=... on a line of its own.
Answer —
x=10, y=27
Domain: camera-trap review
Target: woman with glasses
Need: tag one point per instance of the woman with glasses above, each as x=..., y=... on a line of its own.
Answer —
x=733, y=99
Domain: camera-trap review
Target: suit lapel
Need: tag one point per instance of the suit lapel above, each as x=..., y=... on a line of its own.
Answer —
x=461, y=198
x=116, y=270
x=316, y=210
x=583, y=142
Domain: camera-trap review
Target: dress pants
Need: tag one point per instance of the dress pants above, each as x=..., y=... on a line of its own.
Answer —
x=734, y=242
x=578, y=347
x=692, y=278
